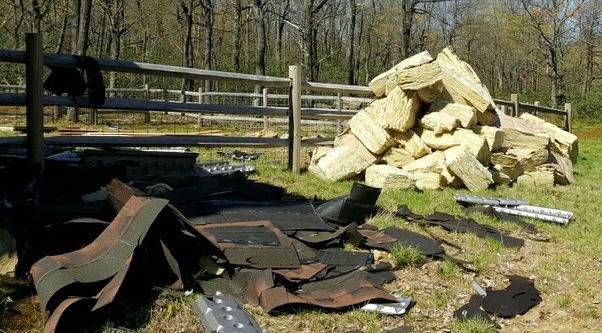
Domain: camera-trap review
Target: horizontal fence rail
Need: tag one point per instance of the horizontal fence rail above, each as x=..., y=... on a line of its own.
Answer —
x=134, y=67
x=164, y=104
x=517, y=108
x=264, y=106
x=142, y=105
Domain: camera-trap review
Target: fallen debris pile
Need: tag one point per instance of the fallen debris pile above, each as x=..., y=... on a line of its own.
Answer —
x=219, y=235
x=434, y=124
x=93, y=253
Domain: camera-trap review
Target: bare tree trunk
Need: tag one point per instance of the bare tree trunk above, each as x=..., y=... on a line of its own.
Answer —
x=39, y=10
x=75, y=18
x=262, y=41
x=554, y=92
x=310, y=38
x=114, y=18
x=79, y=45
x=19, y=13
x=351, y=47
x=208, y=22
x=590, y=22
x=62, y=34
x=553, y=21
x=586, y=83
x=84, y=27
x=189, y=47
x=408, y=7
x=75, y=23
x=281, y=23
x=238, y=35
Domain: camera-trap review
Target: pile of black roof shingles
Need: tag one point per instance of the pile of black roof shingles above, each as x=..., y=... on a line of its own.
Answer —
x=270, y=252
x=224, y=234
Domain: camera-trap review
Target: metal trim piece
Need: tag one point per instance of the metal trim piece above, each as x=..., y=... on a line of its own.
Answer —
x=489, y=200
x=518, y=207
x=397, y=308
x=479, y=288
x=224, y=314
x=526, y=211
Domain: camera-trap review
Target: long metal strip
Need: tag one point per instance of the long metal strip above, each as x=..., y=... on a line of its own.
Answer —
x=531, y=214
x=518, y=207
x=545, y=210
x=492, y=201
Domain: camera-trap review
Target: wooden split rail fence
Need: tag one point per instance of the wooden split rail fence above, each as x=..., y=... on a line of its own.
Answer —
x=34, y=100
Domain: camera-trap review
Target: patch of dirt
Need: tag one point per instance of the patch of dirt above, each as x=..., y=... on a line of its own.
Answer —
x=19, y=307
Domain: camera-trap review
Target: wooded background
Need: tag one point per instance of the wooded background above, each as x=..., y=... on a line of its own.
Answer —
x=546, y=50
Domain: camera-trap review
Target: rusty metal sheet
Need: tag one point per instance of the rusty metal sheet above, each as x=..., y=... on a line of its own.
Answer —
x=108, y=293
x=73, y=310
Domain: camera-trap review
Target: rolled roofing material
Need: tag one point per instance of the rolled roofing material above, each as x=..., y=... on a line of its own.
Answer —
x=102, y=259
x=78, y=284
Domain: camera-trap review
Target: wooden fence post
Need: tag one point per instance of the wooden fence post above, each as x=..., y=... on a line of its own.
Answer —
x=568, y=108
x=199, y=116
x=94, y=116
x=264, y=93
x=514, y=100
x=146, y=97
x=55, y=113
x=35, y=99
x=339, y=109
x=165, y=97
x=294, y=127
x=182, y=99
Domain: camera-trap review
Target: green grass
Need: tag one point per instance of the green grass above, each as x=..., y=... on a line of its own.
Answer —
x=590, y=312
x=471, y=326
x=448, y=269
x=407, y=256
x=564, y=301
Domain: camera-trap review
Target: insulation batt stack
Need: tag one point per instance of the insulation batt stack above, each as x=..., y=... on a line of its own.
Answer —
x=433, y=124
